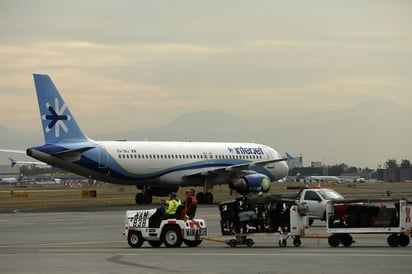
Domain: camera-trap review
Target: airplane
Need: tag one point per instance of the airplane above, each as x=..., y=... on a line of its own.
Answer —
x=156, y=168
x=17, y=162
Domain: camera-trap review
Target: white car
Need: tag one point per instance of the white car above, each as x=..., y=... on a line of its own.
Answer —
x=315, y=200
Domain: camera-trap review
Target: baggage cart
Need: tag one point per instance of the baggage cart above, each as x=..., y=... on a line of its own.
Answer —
x=355, y=217
x=256, y=215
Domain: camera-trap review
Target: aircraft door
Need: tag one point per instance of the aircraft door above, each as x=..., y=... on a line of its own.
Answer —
x=268, y=156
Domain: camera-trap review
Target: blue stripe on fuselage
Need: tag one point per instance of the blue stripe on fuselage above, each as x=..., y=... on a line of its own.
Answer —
x=89, y=160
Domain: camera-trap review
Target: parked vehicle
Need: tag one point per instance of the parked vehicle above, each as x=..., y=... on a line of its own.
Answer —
x=151, y=225
x=354, y=217
x=315, y=200
x=265, y=213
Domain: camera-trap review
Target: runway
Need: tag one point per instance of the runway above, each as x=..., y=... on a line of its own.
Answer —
x=89, y=240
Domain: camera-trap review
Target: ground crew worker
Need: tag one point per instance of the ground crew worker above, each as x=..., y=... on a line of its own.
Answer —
x=190, y=204
x=172, y=205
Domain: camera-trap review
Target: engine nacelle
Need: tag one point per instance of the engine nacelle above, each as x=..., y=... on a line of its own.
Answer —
x=251, y=183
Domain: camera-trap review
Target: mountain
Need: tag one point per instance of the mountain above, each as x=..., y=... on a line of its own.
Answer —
x=364, y=135
x=196, y=126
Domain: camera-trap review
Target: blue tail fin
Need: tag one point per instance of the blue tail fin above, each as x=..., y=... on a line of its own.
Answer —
x=13, y=162
x=58, y=123
x=290, y=157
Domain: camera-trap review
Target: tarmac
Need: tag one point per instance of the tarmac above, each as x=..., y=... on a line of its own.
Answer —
x=89, y=239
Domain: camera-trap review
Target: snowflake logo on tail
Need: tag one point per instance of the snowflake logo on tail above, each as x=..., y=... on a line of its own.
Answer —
x=56, y=118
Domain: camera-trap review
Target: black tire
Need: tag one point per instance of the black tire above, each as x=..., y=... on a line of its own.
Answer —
x=232, y=243
x=334, y=240
x=249, y=242
x=297, y=242
x=148, y=198
x=139, y=198
x=394, y=240
x=283, y=243
x=200, y=197
x=346, y=240
x=154, y=243
x=171, y=236
x=135, y=239
x=208, y=198
x=404, y=240
x=192, y=243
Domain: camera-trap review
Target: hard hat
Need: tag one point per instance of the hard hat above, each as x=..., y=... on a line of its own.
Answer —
x=173, y=194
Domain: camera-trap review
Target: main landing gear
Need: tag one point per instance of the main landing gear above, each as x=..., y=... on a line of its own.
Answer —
x=144, y=197
x=204, y=198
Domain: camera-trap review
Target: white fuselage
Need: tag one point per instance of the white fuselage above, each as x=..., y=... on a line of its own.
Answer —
x=169, y=162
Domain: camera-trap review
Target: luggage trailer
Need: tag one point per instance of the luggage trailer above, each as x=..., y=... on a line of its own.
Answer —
x=355, y=217
x=286, y=223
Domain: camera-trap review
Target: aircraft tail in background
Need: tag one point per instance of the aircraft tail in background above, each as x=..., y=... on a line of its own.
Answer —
x=290, y=157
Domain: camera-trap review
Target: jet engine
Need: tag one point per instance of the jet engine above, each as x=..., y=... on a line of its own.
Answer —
x=251, y=183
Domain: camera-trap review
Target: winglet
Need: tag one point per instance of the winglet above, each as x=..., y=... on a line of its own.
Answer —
x=58, y=123
x=13, y=162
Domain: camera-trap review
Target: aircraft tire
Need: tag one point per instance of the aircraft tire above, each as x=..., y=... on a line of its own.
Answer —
x=148, y=198
x=139, y=198
x=171, y=236
x=208, y=198
x=135, y=239
x=200, y=197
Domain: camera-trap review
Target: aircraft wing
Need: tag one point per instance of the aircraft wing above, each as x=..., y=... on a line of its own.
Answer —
x=234, y=169
x=13, y=151
x=16, y=162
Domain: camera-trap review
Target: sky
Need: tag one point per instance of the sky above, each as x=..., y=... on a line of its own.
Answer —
x=123, y=65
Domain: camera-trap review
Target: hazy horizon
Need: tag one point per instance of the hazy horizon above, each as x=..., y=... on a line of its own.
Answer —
x=127, y=65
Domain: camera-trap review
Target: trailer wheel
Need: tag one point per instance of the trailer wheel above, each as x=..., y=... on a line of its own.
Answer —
x=192, y=243
x=135, y=239
x=283, y=243
x=297, y=242
x=346, y=240
x=154, y=243
x=393, y=240
x=171, y=236
x=404, y=240
x=232, y=243
x=249, y=242
x=334, y=240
